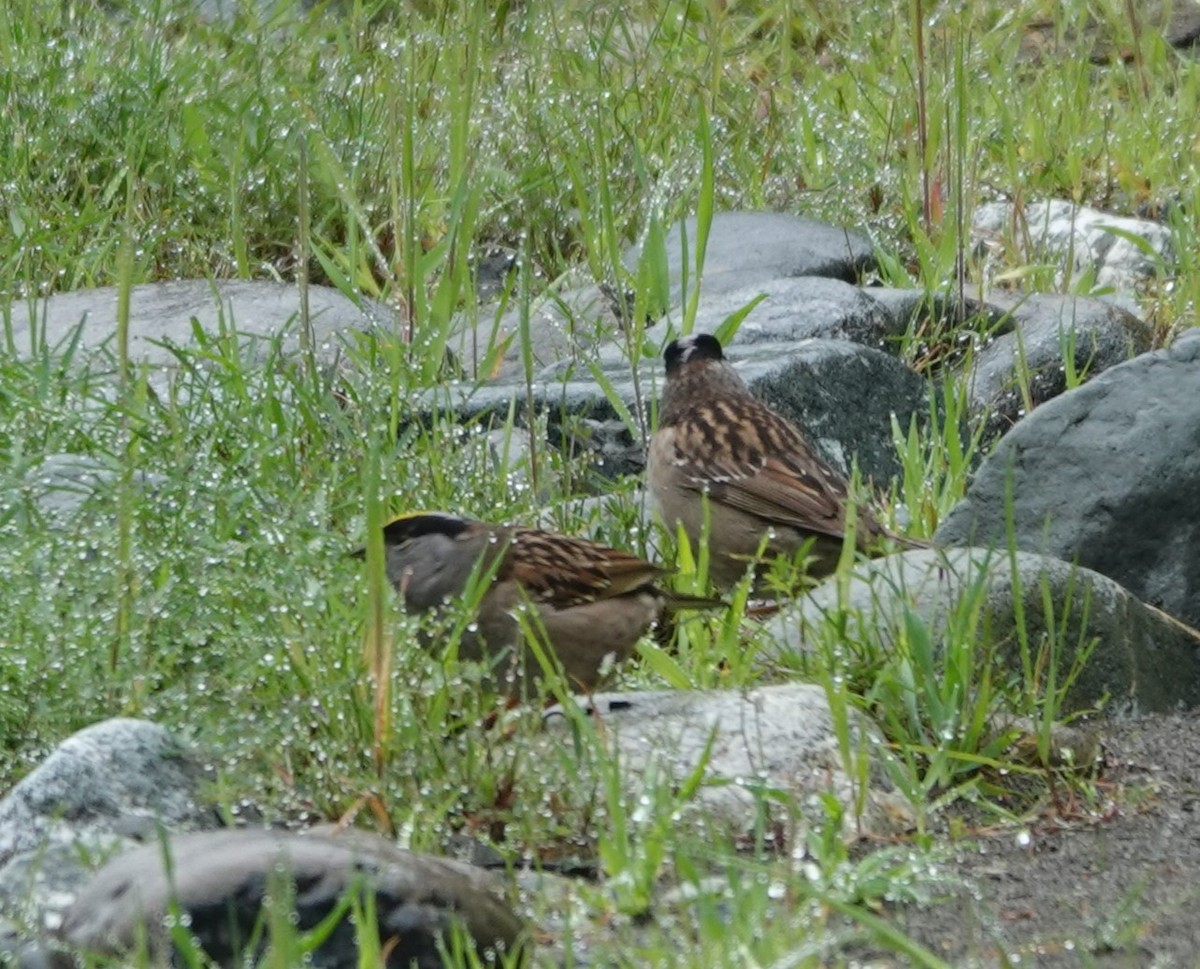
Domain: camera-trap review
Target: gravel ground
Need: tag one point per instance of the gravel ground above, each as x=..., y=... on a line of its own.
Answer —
x=1118, y=890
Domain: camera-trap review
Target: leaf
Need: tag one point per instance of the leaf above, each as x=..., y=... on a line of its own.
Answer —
x=730, y=325
x=659, y=662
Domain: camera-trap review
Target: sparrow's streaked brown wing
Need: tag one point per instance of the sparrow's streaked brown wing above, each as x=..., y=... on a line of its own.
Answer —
x=563, y=571
x=745, y=456
x=785, y=495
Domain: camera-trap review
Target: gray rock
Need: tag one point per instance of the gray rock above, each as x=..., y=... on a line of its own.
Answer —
x=1060, y=230
x=102, y=788
x=914, y=311
x=493, y=268
x=566, y=328
x=1046, y=330
x=162, y=315
x=122, y=776
x=747, y=249
x=1183, y=26
x=1143, y=660
x=748, y=253
x=576, y=333
x=1010, y=335
x=1106, y=475
x=844, y=395
x=774, y=741
x=806, y=307
x=57, y=486
x=222, y=879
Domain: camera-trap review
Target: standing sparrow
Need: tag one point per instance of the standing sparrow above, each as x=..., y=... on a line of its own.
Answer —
x=592, y=602
x=762, y=479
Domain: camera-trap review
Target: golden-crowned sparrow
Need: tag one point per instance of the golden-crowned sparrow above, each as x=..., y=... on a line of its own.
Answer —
x=592, y=602
x=761, y=477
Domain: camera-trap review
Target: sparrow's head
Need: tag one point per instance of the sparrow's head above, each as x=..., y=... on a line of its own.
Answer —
x=689, y=349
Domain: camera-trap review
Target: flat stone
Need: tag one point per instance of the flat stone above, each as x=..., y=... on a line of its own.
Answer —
x=165, y=315
x=750, y=248
x=803, y=308
x=772, y=748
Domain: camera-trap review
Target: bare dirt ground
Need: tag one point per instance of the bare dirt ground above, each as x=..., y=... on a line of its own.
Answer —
x=1121, y=889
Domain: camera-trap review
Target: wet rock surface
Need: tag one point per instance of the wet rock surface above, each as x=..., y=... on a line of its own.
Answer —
x=1028, y=363
x=117, y=777
x=1101, y=244
x=103, y=789
x=1107, y=475
x=749, y=248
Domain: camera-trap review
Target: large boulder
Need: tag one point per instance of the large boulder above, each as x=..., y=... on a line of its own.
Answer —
x=1138, y=659
x=1106, y=476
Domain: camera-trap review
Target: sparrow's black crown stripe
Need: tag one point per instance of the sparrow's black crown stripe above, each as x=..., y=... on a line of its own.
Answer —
x=698, y=346
x=407, y=527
